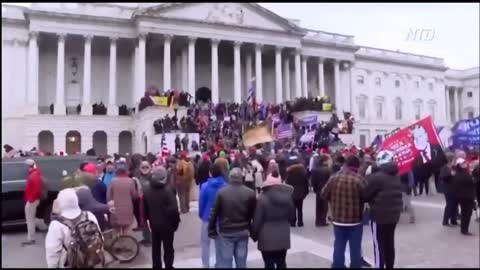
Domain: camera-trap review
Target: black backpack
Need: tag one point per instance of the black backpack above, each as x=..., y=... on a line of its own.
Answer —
x=85, y=249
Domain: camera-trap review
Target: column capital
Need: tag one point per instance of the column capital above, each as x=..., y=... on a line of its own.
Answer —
x=192, y=39
x=113, y=40
x=297, y=51
x=321, y=60
x=142, y=35
x=336, y=62
x=168, y=37
x=305, y=57
x=33, y=34
x=278, y=49
x=258, y=46
x=237, y=43
x=61, y=37
x=88, y=37
x=214, y=41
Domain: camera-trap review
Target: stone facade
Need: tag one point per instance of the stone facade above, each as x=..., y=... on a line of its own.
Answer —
x=86, y=53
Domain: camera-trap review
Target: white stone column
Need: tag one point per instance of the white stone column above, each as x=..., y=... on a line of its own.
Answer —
x=336, y=75
x=59, y=108
x=167, y=63
x=87, y=71
x=112, y=84
x=32, y=90
x=248, y=70
x=185, y=69
x=447, y=104
x=278, y=75
x=258, y=73
x=237, y=91
x=214, y=71
x=191, y=65
x=142, y=62
x=286, y=73
x=304, y=76
x=456, y=104
x=321, y=80
x=298, y=76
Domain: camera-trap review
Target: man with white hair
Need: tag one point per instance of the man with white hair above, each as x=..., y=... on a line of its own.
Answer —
x=32, y=195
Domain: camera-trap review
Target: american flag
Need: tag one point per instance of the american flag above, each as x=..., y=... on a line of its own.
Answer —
x=284, y=131
x=251, y=90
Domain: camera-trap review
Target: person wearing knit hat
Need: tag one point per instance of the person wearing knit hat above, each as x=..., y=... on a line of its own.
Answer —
x=161, y=213
x=271, y=222
x=230, y=219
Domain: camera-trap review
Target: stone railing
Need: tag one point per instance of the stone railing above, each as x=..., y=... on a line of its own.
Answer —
x=397, y=55
x=329, y=37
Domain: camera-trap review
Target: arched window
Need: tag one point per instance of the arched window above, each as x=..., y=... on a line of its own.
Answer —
x=99, y=140
x=73, y=142
x=397, y=83
x=398, y=108
x=379, y=102
x=417, y=106
x=45, y=141
x=125, y=142
x=432, y=108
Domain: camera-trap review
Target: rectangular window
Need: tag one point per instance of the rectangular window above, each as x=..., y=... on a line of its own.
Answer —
x=430, y=86
x=469, y=94
x=361, y=109
x=379, y=110
x=360, y=79
x=470, y=115
x=432, y=112
x=363, y=140
x=417, y=112
x=417, y=84
x=378, y=81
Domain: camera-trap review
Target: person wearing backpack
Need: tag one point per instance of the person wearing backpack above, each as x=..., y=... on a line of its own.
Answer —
x=74, y=239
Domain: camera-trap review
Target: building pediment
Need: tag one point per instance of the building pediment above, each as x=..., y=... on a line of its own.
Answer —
x=236, y=14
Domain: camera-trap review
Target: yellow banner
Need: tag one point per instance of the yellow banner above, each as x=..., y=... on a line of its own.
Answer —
x=326, y=107
x=160, y=101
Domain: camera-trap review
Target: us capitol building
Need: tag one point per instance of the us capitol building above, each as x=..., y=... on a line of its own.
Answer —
x=68, y=54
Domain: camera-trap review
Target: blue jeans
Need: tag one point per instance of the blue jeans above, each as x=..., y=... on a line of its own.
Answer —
x=352, y=235
x=228, y=248
x=205, y=245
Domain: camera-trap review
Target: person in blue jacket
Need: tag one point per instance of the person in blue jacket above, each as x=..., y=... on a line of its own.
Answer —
x=208, y=191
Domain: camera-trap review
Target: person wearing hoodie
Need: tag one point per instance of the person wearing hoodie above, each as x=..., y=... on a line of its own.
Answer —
x=384, y=195
x=109, y=173
x=122, y=192
x=58, y=234
x=208, y=191
x=87, y=202
x=161, y=213
x=319, y=177
x=31, y=196
x=297, y=178
x=230, y=221
x=185, y=174
x=463, y=190
x=271, y=223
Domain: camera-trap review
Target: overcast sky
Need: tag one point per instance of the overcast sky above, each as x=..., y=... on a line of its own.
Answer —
x=387, y=25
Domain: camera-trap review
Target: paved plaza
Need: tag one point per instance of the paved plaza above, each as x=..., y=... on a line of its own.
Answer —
x=424, y=244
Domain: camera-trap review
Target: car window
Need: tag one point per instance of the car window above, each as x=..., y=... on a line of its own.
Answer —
x=14, y=171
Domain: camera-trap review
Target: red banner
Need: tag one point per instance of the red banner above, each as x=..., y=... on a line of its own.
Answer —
x=415, y=144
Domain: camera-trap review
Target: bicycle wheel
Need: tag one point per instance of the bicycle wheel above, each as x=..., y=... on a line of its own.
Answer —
x=125, y=248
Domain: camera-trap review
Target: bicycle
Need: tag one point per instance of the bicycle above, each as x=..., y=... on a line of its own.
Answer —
x=121, y=247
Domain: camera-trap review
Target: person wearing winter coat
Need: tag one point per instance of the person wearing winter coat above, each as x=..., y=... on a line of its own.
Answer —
x=109, y=174
x=224, y=164
x=161, y=213
x=58, y=234
x=230, y=221
x=297, y=178
x=184, y=178
x=144, y=184
x=32, y=196
x=258, y=174
x=122, y=192
x=320, y=173
x=384, y=196
x=271, y=223
x=208, y=191
x=451, y=204
x=203, y=171
x=87, y=202
x=463, y=190
x=408, y=183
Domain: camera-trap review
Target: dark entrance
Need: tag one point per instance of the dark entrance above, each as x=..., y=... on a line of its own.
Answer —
x=203, y=94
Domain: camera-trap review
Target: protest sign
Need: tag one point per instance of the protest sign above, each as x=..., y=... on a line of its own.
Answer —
x=414, y=145
x=256, y=135
x=466, y=134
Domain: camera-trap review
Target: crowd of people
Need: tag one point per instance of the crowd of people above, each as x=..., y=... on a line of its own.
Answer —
x=251, y=194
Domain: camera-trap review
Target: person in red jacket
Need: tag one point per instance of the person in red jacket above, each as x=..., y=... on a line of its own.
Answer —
x=31, y=196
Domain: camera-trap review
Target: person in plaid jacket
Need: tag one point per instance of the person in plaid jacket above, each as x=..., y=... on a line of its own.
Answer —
x=344, y=193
